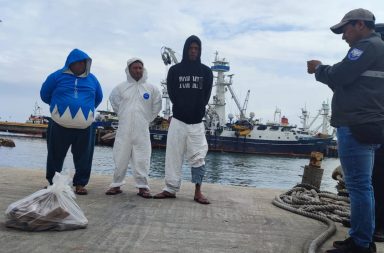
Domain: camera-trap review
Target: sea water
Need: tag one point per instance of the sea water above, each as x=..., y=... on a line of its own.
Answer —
x=222, y=168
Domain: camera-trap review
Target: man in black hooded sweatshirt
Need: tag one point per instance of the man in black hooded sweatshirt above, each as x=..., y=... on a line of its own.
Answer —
x=189, y=85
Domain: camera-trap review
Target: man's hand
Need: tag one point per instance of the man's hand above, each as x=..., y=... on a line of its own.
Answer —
x=311, y=66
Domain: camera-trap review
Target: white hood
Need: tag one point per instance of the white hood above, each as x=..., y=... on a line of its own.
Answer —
x=129, y=77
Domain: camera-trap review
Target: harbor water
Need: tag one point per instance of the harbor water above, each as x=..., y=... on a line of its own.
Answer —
x=222, y=168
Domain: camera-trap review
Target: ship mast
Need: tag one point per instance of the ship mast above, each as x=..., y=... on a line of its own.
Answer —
x=277, y=116
x=164, y=91
x=325, y=114
x=37, y=110
x=304, y=118
x=220, y=66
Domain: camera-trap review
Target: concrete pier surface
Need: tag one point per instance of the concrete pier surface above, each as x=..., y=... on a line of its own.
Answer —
x=240, y=219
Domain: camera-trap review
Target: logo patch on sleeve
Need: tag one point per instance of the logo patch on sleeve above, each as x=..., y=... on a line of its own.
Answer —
x=355, y=54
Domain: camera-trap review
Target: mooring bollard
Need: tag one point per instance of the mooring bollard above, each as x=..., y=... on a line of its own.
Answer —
x=313, y=172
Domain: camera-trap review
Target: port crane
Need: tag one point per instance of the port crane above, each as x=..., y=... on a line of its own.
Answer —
x=169, y=58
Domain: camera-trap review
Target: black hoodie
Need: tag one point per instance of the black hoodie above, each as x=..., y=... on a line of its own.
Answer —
x=189, y=85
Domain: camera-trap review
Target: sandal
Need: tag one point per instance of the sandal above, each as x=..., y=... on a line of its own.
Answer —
x=80, y=190
x=145, y=193
x=113, y=191
x=202, y=200
x=164, y=195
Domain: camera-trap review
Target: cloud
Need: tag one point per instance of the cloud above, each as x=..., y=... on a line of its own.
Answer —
x=267, y=44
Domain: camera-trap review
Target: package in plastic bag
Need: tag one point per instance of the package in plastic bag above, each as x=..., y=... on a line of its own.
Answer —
x=53, y=208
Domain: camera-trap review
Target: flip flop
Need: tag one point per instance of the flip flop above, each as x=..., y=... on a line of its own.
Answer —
x=202, y=200
x=80, y=190
x=164, y=195
x=113, y=191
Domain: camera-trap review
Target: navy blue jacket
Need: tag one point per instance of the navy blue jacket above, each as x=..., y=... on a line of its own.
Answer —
x=357, y=83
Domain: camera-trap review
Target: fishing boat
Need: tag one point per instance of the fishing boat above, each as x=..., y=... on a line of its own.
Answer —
x=245, y=134
x=36, y=124
x=106, y=119
x=36, y=117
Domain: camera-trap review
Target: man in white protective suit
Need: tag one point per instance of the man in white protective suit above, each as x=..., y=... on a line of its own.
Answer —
x=189, y=85
x=136, y=103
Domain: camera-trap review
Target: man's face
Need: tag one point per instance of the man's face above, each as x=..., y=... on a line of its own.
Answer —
x=352, y=32
x=136, y=70
x=78, y=67
x=193, y=51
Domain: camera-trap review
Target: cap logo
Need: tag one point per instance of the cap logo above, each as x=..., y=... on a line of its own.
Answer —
x=355, y=54
x=146, y=96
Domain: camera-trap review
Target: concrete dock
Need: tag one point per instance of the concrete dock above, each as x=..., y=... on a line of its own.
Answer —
x=240, y=219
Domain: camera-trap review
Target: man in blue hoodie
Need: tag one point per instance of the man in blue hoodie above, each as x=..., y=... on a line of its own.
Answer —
x=189, y=85
x=72, y=93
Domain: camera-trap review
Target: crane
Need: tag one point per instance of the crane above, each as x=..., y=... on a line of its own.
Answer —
x=234, y=95
x=244, y=109
x=169, y=57
x=241, y=109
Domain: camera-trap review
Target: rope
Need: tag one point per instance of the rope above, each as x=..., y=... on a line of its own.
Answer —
x=309, y=201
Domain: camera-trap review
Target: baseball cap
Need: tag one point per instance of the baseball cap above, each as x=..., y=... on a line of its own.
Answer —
x=356, y=14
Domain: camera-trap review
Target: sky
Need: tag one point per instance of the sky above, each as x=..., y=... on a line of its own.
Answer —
x=267, y=44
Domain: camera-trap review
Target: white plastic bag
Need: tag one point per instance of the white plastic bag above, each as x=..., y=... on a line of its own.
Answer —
x=53, y=208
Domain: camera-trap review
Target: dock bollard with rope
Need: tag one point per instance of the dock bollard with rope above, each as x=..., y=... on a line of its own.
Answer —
x=313, y=172
x=306, y=199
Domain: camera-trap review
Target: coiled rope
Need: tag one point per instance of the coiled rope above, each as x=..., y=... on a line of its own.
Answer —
x=309, y=201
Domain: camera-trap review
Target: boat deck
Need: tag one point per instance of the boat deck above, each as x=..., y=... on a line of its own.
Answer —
x=240, y=219
x=24, y=128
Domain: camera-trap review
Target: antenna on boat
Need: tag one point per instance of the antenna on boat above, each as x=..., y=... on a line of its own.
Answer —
x=304, y=117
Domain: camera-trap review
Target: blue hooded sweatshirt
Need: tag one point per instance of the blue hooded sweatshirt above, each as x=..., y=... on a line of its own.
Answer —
x=72, y=98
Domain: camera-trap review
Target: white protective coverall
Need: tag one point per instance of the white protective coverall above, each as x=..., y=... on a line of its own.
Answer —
x=136, y=103
x=184, y=141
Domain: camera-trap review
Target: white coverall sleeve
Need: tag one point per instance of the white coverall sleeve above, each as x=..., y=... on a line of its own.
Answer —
x=115, y=99
x=157, y=103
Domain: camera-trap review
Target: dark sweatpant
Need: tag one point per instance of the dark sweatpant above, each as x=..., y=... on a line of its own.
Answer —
x=82, y=142
x=378, y=187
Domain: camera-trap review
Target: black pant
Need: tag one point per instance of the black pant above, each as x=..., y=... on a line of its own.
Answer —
x=82, y=142
x=378, y=186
